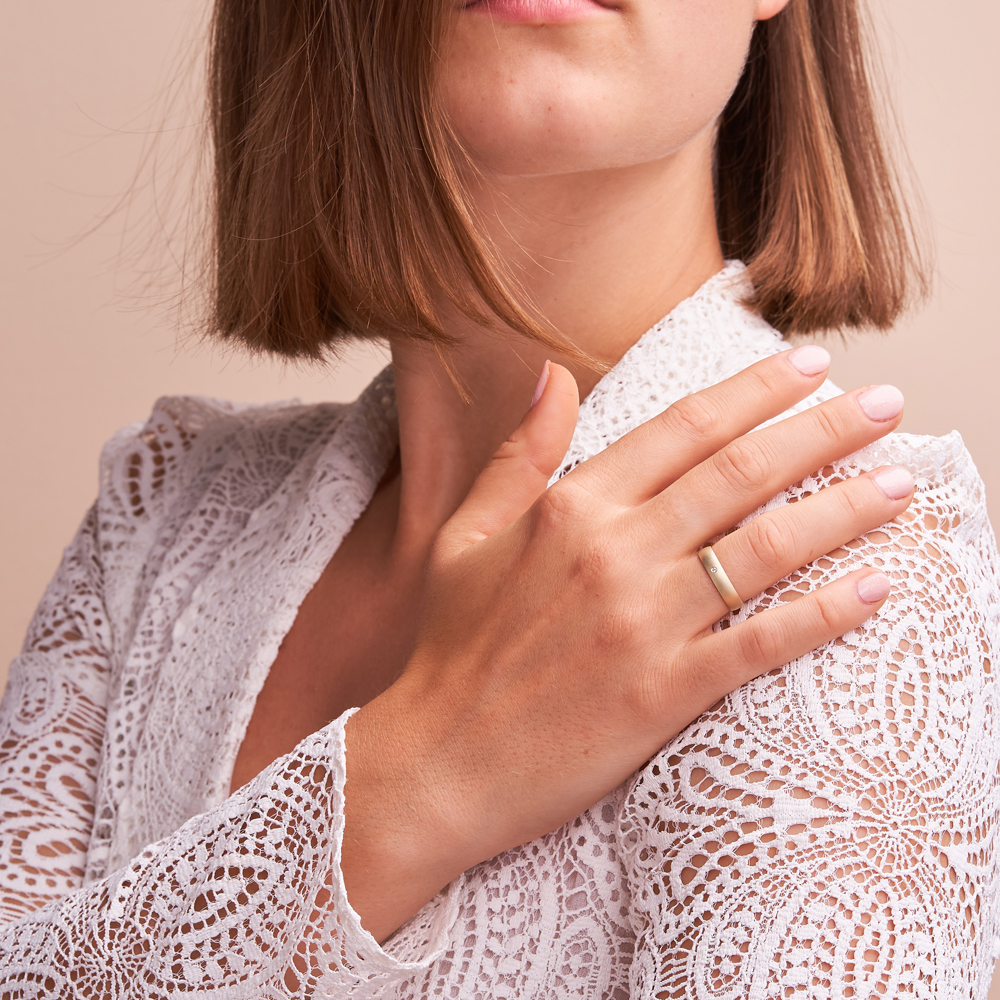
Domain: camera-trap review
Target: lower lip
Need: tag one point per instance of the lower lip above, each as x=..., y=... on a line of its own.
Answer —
x=538, y=11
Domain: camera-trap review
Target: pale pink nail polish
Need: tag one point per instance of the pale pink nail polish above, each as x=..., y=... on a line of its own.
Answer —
x=811, y=359
x=873, y=588
x=540, y=388
x=881, y=402
x=894, y=483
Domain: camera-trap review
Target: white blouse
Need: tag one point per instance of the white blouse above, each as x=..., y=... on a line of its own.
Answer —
x=825, y=831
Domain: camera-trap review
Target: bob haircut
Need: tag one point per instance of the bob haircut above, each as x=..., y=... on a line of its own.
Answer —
x=340, y=210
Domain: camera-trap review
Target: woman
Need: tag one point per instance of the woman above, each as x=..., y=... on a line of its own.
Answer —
x=326, y=701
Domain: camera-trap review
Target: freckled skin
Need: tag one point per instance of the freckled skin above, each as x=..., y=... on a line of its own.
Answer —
x=623, y=87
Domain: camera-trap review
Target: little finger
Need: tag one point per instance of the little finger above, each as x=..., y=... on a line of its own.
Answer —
x=722, y=661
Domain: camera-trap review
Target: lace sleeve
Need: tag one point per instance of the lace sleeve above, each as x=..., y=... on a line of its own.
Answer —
x=829, y=830
x=54, y=710
x=51, y=729
x=245, y=900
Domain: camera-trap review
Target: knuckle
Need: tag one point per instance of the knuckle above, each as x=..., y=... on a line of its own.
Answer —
x=513, y=454
x=771, y=544
x=854, y=507
x=558, y=508
x=827, y=613
x=743, y=466
x=594, y=562
x=508, y=450
x=692, y=417
x=442, y=552
x=618, y=629
x=762, y=379
x=760, y=642
x=830, y=421
x=447, y=544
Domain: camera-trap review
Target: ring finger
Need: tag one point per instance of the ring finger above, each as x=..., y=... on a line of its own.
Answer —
x=781, y=541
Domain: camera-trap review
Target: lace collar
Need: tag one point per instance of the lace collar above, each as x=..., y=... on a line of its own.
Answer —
x=706, y=338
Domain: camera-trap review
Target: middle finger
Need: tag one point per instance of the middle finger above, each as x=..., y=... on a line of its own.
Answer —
x=739, y=478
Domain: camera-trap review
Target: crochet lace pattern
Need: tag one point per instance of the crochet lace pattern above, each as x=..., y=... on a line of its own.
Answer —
x=825, y=831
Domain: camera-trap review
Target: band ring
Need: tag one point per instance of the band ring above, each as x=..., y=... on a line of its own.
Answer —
x=718, y=576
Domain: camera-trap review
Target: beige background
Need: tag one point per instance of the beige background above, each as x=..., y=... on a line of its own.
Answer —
x=82, y=85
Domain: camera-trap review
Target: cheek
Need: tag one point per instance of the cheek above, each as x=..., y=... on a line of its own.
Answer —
x=606, y=93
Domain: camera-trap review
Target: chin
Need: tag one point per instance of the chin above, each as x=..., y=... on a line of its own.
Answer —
x=548, y=137
x=611, y=92
x=519, y=155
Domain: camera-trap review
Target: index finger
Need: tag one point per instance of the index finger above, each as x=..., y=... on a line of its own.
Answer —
x=649, y=458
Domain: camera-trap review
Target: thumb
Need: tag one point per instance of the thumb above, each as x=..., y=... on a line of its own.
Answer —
x=519, y=472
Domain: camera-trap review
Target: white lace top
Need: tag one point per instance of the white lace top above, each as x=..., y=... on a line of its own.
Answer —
x=826, y=831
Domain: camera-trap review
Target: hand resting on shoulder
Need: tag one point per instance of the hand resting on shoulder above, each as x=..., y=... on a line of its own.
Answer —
x=568, y=629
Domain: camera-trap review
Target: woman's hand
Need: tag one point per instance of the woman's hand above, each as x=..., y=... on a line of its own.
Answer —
x=568, y=630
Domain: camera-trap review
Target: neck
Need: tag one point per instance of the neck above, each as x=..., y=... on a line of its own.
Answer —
x=604, y=256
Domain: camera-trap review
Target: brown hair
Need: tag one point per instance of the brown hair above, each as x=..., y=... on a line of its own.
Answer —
x=339, y=208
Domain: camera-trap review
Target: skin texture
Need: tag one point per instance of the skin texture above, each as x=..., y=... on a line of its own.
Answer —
x=593, y=141
x=532, y=100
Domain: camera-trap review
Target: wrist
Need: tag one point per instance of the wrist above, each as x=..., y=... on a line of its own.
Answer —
x=406, y=833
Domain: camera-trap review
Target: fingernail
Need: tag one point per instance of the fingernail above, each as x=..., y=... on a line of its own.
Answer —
x=873, y=588
x=881, y=402
x=894, y=483
x=809, y=359
x=540, y=388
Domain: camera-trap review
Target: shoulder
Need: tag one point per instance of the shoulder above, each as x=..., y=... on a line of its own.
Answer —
x=145, y=465
x=944, y=549
x=862, y=774
x=941, y=553
x=948, y=513
x=193, y=455
x=949, y=507
x=947, y=480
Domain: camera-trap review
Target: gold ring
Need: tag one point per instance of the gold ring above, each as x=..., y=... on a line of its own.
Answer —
x=718, y=576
